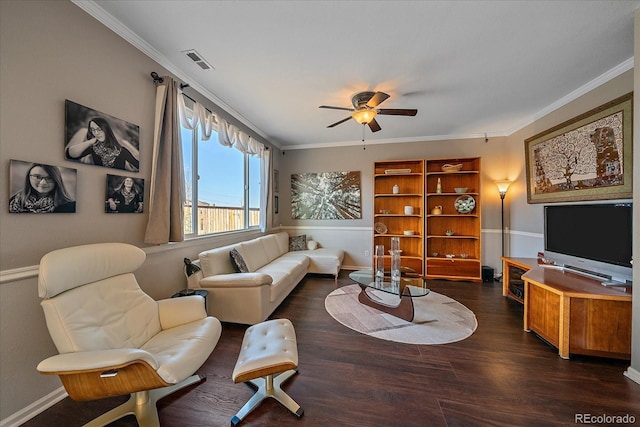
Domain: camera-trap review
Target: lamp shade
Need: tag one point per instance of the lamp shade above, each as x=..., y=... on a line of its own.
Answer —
x=503, y=186
x=364, y=116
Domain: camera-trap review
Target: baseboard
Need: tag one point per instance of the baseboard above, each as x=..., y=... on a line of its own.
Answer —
x=632, y=374
x=34, y=409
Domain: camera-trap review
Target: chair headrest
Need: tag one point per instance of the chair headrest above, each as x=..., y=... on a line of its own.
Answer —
x=68, y=268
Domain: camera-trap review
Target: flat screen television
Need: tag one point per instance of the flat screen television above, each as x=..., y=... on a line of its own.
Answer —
x=594, y=239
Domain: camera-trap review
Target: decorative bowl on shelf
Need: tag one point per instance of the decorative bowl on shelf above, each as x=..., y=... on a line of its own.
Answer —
x=464, y=256
x=450, y=256
x=434, y=253
x=464, y=204
x=460, y=189
x=451, y=168
x=408, y=232
x=380, y=228
x=449, y=232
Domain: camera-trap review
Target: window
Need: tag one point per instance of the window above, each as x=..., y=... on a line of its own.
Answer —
x=224, y=182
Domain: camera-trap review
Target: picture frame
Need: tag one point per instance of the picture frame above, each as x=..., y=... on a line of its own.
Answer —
x=96, y=138
x=326, y=195
x=124, y=194
x=39, y=188
x=588, y=157
x=276, y=181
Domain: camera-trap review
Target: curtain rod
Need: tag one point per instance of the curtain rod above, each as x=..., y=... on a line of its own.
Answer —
x=157, y=79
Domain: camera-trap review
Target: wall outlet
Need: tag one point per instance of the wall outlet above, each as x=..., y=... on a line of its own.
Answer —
x=366, y=253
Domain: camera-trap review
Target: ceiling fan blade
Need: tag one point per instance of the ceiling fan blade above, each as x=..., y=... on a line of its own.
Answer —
x=398, y=112
x=336, y=108
x=341, y=121
x=374, y=126
x=377, y=99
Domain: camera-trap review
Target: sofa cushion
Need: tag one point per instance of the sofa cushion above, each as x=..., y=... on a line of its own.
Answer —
x=238, y=261
x=216, y=261
x=298, y=243
x=255, y=254
x=323, y=260
x=282, y=239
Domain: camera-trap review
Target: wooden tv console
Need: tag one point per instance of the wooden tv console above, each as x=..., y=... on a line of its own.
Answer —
x=574, y=313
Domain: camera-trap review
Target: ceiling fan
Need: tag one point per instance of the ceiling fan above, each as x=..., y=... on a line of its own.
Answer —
x=365, y=111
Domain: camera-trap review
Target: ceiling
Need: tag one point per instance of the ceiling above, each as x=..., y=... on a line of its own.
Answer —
x=470, y=67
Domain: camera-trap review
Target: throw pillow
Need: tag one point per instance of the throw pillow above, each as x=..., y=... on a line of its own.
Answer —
x=298, y=243
x=238, y=262
x=312, y=245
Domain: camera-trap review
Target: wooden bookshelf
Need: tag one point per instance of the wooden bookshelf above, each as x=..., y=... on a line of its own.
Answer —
x=389, y=209
x=456, y=256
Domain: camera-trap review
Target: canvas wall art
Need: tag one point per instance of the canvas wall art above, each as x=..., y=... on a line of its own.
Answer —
x=586, y=158
x=125, y=194
x=326, y=195
x=41, y=188
x=99, y=139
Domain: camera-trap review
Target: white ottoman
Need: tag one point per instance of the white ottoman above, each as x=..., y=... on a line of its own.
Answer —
x=268, y=348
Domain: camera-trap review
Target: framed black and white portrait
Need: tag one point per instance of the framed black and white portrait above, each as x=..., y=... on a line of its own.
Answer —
x=97, y=138
x=125, y=194
x=41, y=188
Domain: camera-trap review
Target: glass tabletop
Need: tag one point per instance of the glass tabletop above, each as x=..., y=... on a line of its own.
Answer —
x=410, y=282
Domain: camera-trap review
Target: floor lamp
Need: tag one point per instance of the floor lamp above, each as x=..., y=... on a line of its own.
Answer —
x=502, y=188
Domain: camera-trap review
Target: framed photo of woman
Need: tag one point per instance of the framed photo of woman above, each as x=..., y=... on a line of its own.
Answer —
x=125, y=194
x=41, y=188
x=97, y=138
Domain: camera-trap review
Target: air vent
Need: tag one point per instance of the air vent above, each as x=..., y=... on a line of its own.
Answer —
x=197, y=58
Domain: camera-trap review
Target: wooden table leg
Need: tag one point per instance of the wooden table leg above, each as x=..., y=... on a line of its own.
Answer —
x=404, y=309
x=565, y=316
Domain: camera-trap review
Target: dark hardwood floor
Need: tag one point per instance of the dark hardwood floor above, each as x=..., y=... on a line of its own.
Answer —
x=500, y=376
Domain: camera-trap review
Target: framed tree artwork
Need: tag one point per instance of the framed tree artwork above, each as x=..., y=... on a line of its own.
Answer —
x=586, y=158
x=326, y=195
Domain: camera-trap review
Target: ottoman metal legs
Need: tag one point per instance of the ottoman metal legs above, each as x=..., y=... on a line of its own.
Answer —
x=269, y=357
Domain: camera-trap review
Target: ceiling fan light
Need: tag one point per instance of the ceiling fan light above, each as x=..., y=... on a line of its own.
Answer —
x=364, y=116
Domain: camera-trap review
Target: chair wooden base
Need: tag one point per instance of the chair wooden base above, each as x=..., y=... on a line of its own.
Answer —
x=269, y=386
x=142, y=405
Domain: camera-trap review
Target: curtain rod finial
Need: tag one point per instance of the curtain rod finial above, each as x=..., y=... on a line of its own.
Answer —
x=156, y=78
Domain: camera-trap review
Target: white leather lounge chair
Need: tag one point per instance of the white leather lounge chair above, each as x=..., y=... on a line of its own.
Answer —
x=114, y=339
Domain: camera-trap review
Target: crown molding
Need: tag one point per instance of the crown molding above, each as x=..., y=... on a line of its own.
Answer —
x=582, y=90
x=93, y=9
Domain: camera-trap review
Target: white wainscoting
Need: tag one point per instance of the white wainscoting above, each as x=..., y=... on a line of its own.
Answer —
x=355, y=241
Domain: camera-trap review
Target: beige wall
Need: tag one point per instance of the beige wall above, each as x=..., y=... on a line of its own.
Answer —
x=634, y=370
x=52, y=51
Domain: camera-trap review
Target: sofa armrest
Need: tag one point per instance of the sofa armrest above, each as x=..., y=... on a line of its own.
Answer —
x=178, y=311
x=94, y=360
x=236, y=280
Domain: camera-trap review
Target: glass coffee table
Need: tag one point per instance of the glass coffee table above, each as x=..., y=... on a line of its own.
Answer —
x=410, y=285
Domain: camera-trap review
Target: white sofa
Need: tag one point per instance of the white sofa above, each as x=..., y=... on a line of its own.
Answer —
x=273, y=272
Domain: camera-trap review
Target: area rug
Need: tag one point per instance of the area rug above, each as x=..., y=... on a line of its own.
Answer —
x=437, y=319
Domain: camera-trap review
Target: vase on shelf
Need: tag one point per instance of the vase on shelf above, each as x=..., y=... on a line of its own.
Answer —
x=396, y=189
x=439, y=187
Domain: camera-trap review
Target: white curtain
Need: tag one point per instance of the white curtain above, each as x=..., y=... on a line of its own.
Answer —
x=230, y=136
x=265, y=190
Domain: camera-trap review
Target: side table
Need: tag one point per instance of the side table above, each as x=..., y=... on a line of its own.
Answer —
x=188, y=292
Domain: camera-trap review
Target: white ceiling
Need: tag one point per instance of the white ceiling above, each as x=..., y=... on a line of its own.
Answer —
x=470, y=67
